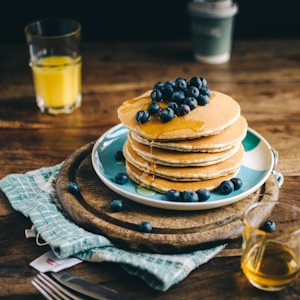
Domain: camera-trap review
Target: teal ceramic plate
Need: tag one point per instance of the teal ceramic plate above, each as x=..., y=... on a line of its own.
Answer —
x=257, y=165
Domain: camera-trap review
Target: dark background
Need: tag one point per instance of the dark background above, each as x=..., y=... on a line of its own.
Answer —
x=134, y=20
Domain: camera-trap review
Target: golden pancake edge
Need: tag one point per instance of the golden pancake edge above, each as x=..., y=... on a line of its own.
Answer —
x=179, y=159
x=163, y=185
x=184, y=173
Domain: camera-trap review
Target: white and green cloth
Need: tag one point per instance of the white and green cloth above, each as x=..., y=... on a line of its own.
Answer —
x=33, y=194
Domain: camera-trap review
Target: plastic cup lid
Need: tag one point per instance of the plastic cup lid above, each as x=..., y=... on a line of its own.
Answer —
x=213, y=8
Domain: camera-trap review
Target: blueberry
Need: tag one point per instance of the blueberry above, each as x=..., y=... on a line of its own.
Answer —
x=178, y=97
x=116, y=205
x=166, y=114
x=226, y=187
x=204, y=82
x=202, y=100
x=153, y=108
x=237, y=183
x=167, y=91
x=158, y=85
x=191, y=102
x=269, y=226
x=73, y=188
x=145, y=226
x=171, y=82
x=203, y=195
x=192, y=91
x=183, y=110
x=196, y=81
x=173, y=105
x=173, y=195
x=121, y=178
x=119, y=156
x=156, y=95
x=180, y=84
x=189, y=196
x=142, y=116
x=205, y=91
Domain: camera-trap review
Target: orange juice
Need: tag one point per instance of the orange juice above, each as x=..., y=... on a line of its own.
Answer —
x=57, y=81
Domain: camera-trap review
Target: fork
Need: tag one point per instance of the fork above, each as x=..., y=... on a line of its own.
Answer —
x=51, y=290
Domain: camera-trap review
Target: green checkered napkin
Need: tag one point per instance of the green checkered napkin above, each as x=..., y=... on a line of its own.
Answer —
x=33, y=194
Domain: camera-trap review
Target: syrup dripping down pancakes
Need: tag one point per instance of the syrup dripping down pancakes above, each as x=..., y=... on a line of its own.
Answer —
x=196, y=151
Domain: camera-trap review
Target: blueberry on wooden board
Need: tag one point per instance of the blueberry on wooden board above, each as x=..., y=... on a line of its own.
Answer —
x=73, y=188
x=116, y=205
x=145, y=226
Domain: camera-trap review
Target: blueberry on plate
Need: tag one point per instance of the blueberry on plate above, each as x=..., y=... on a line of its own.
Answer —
x=203, y=195
x=173, y=195
x=226, y=187
x=145, y=226
x=116, y=205
x=237, y=183
x=189, y=196
x=121, y=178
x=119, y=156
x=73, y=188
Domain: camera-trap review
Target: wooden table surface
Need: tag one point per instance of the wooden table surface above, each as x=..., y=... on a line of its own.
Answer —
x=263, y=76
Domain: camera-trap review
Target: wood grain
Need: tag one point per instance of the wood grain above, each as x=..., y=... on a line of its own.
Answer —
x=262, y=75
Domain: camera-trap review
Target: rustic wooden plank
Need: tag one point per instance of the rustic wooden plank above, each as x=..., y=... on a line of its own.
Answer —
x=263, y=75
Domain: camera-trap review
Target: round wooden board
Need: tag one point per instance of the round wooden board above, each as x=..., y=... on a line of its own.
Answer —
x=173, y=231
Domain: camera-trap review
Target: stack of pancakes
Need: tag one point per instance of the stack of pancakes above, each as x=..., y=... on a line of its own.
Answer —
x=191, y=152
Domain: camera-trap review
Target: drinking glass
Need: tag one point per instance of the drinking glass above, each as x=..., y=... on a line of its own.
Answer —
x=55, y=59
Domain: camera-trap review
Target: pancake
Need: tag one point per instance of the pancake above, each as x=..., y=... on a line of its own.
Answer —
x=221, y=112
x=181, y=159
x=213, y=143
x=198, y=150
x=184, y=173
x=163, y=185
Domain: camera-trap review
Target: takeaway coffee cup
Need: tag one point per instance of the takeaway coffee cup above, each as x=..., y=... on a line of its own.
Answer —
x=211, y=23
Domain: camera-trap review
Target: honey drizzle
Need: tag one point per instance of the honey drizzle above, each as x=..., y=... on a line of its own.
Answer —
x=156, y=128
x=147, y=176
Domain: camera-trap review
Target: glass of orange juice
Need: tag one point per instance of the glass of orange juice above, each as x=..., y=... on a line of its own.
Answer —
x=271, y=245
x=55, y=59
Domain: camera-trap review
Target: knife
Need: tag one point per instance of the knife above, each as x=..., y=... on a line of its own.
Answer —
x=86, y=287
